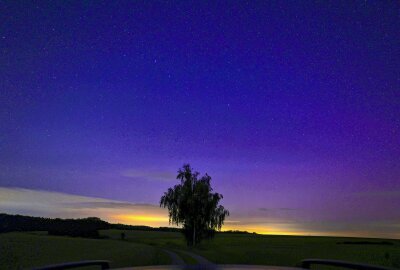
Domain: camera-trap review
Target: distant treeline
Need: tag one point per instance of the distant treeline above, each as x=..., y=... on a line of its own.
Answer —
x=143, y=228
x=82, y=227
x=237, y=232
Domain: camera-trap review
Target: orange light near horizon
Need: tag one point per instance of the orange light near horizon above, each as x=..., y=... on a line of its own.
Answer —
x=262, y=230
x=265, y=229
x=278, y=230
x=144, y=219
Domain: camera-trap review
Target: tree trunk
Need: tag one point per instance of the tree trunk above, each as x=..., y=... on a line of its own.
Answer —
x=194, y=222
x=194, y=234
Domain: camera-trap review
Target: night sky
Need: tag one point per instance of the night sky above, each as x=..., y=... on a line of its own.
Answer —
x=292, y=107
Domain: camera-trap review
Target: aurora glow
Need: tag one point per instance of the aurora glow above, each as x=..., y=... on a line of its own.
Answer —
x=292, y=108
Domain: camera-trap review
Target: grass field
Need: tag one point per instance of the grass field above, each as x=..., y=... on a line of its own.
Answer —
x=273, y=250
x=25, y=250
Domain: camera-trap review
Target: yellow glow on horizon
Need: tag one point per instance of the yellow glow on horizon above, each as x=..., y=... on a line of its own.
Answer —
x=272, y=230
x=141, y=218
x=283, y=229
x=61, y=205
x=279, y=230
x=276, y=229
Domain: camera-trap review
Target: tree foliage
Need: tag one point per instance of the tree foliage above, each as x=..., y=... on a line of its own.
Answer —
x=193, y=205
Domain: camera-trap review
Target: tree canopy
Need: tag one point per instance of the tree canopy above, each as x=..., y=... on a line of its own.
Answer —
x=193, y=205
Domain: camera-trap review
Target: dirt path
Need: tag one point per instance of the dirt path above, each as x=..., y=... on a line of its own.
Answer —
x=200, y=260
x=175, y=258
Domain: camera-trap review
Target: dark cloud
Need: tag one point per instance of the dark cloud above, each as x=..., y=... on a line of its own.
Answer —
x=113, y=205
x=150, y=175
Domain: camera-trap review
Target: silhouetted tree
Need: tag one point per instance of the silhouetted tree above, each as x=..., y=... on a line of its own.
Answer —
x=193, y=205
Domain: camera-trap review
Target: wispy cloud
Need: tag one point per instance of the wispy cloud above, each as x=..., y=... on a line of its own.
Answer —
x=108, y=204
x=57, y=204
x=261, y=220
x=149, y=175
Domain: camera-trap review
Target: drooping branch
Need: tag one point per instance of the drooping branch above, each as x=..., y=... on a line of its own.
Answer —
x=193, y=205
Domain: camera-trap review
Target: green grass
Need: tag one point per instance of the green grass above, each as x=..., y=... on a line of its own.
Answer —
x=272, y=250
x=172, y=240
x=26, y=250
x=289, y=250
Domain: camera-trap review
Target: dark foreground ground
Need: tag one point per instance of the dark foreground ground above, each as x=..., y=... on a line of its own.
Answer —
x=25, y=250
